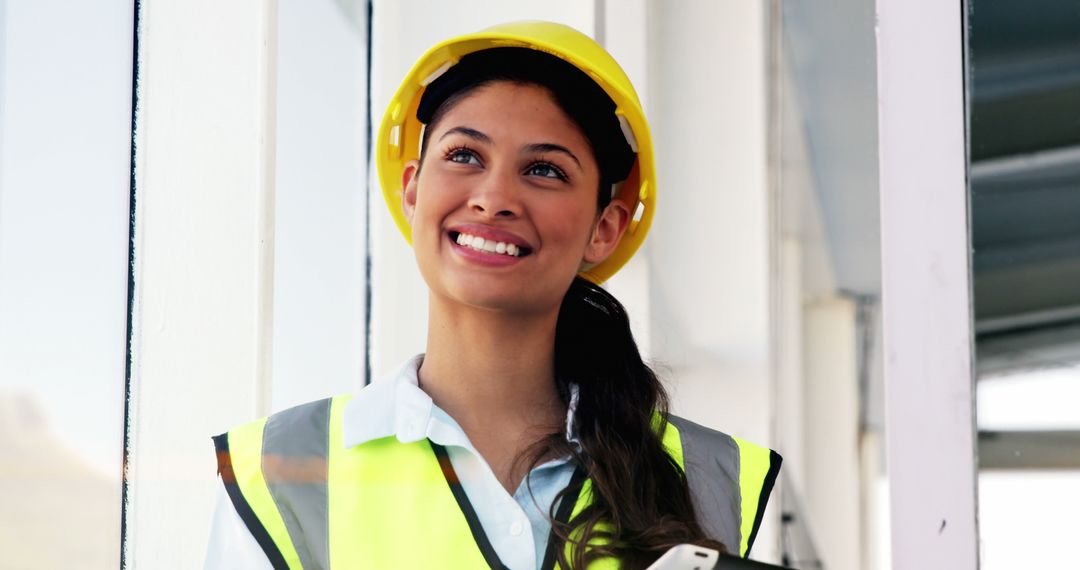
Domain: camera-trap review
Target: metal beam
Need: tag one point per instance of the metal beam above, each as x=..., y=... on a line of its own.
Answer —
x=1029, y=449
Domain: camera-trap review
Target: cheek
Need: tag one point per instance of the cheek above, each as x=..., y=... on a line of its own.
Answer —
x=433, y=202
x=570, y=230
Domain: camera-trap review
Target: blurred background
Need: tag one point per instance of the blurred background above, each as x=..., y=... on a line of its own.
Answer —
x=191, y=237
x=1024, y=177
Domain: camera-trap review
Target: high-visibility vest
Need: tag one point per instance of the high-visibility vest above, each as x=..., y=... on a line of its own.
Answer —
x=312, y=503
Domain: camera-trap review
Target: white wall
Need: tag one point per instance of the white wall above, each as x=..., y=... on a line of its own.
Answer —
x=65, y=153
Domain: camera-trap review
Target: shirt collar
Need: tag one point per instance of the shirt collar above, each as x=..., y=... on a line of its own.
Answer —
x=396, y=406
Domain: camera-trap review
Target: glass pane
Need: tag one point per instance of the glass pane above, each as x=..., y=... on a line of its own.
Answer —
x=320, y=201
x=64, y=185
x=1024, y=84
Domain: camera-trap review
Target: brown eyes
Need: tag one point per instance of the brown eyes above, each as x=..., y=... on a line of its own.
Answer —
x=546, y=170
x=541, y=168
x=462, y=155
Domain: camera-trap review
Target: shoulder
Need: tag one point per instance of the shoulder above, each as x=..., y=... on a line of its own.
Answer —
x=307, y=412
x=311, y=421
x=696, y=435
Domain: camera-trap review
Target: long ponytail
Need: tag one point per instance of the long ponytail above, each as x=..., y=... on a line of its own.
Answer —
x=641, y=504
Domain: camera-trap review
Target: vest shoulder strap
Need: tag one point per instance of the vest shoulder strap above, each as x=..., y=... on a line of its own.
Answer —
x=730, y=482
x=272, y=466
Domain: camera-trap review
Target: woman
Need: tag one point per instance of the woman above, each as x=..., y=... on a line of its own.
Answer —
x=530, y=433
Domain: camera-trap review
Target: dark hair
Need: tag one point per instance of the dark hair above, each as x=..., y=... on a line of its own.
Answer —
x=638, y=488
x=641, y=504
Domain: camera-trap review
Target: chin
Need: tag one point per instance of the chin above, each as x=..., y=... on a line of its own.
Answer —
x=504, y=297
x=496, y=300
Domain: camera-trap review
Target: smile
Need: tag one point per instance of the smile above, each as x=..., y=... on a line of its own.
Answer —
x=489, y=246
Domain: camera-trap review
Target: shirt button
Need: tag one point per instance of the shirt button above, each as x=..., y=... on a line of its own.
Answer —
x=516, y=527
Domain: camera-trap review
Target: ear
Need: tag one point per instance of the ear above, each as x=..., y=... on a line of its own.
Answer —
x=409, y=178
x=609, y=229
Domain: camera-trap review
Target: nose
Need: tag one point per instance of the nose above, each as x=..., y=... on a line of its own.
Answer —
x=496, y=196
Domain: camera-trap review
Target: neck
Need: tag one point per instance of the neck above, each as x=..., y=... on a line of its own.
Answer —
x=484, y=364
x=494, y=374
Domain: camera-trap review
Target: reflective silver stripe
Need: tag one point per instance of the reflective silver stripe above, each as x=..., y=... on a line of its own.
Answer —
x=711, y=461
x=295, y=446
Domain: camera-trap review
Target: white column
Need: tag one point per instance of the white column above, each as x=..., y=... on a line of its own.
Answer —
x=831, y=430
x=925, y=285
x=203, y=260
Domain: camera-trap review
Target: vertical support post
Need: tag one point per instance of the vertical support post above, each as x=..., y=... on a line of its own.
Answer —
x=202, y=262
x=926, y=285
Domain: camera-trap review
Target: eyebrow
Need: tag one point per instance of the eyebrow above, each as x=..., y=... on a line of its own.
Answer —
x=535, y=147
x=551, y=147
x=471, y=133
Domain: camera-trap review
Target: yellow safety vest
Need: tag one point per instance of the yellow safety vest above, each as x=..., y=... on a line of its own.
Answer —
x=311, y=503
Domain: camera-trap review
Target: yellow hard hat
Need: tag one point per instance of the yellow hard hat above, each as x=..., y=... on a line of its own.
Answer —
x=399, y=135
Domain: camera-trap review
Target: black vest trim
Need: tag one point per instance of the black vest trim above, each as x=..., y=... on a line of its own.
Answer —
x=566, y=508
x=228, y=477
x=766, y=489
x=466, y=507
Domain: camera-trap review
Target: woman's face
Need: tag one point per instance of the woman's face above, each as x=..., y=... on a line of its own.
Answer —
x=503, y=208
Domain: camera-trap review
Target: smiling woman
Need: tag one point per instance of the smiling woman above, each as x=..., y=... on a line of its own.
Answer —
x=530, y=434
x=504, y=169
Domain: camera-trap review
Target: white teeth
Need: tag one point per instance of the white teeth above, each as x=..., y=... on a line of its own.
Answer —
x=487, y=245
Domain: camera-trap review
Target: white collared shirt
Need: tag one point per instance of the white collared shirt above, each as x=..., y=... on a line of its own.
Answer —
x=516, y=526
